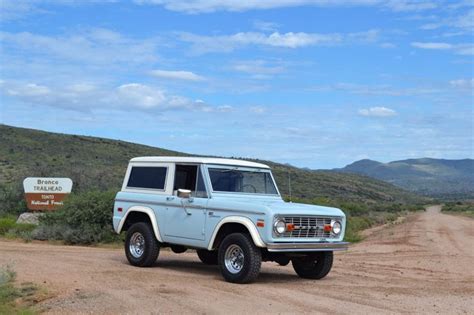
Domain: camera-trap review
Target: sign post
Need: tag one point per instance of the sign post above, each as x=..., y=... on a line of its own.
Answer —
x=46, y=193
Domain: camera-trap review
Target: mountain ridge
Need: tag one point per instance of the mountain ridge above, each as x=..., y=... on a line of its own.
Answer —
x=440, y=178
x=100, y=163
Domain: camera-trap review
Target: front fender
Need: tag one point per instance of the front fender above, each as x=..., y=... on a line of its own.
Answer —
x=151, y=215
x=241, y=220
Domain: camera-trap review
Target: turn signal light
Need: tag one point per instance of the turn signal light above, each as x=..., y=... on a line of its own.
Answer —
x=119, y=209
x=260, y=223
x=290, y=227
x=327, y=228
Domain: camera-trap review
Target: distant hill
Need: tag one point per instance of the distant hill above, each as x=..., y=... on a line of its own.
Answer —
x=449, y=179
x=100, y=164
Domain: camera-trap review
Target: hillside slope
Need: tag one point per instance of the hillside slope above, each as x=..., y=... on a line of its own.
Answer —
x=100, y=163
x=431, y=177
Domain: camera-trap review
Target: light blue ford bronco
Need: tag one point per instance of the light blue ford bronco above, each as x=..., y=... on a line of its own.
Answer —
x=229, y=211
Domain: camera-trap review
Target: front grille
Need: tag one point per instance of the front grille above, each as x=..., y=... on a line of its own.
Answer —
x=308, y=226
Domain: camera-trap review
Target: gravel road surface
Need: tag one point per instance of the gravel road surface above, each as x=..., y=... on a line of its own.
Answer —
x=424, y=265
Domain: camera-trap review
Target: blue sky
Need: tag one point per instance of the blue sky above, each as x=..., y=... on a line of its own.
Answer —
x=314, y=83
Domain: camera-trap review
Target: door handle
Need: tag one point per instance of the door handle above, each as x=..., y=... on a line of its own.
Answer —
x=169, y=198
x=184, y=207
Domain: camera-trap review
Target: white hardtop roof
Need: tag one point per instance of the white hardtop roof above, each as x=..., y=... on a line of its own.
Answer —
x=198, y=160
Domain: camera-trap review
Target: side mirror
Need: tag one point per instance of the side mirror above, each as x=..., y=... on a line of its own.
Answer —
x=184, y=193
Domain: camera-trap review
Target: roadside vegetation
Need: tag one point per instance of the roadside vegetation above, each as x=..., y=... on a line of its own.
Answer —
x=17, y=299
x=10, y=229
x=86, y=219
x=461, y=207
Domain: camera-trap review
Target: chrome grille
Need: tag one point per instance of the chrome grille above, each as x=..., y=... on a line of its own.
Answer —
x=308, y=226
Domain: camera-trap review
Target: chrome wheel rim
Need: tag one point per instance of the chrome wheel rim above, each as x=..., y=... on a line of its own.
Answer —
x=234, y=258
x=137, y=245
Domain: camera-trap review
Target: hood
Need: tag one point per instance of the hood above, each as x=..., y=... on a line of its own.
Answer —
x=275, y=205
x=303, y=209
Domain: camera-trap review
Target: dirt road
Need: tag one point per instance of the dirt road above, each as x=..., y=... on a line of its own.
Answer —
x=424, y=265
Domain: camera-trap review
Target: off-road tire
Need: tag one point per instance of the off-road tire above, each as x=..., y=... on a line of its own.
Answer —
x=178, y=249
x=207, y=257
x=314, y=266
x=151, y=247
x=283, y=261
x=252, y=258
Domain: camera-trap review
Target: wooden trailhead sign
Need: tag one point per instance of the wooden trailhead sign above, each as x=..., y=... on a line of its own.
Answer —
x=46, y=193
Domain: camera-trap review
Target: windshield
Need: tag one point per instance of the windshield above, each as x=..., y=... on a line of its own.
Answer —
x=242, y=181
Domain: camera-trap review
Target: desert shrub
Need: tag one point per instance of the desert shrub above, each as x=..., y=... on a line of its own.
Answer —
x=8, y=293
x=21, y=230
x=354, y=226
x=13, y=299
x=459, y=207
x=12, y=201
x=6, y=224
x=10, y=229
x=85, y=218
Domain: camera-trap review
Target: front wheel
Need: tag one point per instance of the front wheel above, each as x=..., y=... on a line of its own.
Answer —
x=239, y=258
x=141, y=246
x=313, y=266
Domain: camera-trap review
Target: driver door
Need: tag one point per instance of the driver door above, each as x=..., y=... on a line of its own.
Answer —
x=186, y=217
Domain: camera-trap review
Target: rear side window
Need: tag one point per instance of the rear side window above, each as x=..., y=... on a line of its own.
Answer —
x=147, y=177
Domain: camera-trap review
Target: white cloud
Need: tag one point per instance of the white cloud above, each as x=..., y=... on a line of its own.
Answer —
x=377, y=89
x=410, y=5
x=142, y=96
x=230, y=42
x=258, y=67
x=258, y=109
x=460, y=49
x=11, y=9
x=432, y=45
x=207, y=6
x=265, y=26
x=227, y=43
x=377, y=112
x=464, y=23
x=225, y=109
x=177, y=75
x=464, y=84
x=15, y=9
x=388, y=45
x=84, y=96
x=91, y=46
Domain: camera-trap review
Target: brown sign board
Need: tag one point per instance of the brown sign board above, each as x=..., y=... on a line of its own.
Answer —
x=46, y=193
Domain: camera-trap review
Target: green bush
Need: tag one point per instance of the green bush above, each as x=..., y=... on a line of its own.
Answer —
x=85, y=218
x=459, y=207
x=6, y=224
x=354, y=226
x=12, y=200
x=15, y=300
x=10, y=229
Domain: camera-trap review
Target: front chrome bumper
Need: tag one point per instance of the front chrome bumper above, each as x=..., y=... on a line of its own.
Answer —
x=307, y=247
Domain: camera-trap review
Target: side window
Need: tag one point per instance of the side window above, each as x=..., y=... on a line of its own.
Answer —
x=185, y=177
x=200, y=186
x=147, y=177
x=190, y=177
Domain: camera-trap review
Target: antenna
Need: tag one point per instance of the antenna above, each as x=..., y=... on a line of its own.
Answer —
x=289, y=183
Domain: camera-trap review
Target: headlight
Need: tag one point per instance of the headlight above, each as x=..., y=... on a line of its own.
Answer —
x=336, y=227
x=279, y=226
